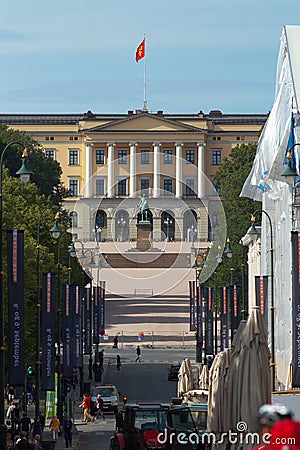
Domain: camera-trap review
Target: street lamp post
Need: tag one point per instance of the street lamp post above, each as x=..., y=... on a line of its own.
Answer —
x=122, y=224
x=38, y=318
x=229, y=253
x=253, y=232
x=24, y=173
x=73, y=253
x=168, y=223
x=56, y=234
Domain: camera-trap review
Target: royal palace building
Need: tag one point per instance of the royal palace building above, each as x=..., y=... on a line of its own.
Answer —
x=110, y=161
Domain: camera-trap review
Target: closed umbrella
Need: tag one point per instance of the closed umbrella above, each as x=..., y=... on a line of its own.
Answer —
x=185, y=377
x=234, y=377
x=212, y=404
x=204, y=378
x=255, y=385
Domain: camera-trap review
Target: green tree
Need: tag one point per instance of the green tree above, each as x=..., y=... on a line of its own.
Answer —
x=47, y=172
x=22, y=207
x=229, y=179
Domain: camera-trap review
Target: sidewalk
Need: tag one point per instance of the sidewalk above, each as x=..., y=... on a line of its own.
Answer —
x=48, y=444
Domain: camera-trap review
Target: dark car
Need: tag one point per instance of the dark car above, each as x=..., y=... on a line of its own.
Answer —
x=173, y=372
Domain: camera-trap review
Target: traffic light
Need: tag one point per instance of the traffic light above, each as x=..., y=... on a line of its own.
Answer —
x=30, y=370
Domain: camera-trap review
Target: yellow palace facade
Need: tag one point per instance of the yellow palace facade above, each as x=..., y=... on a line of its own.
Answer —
x=110, y=160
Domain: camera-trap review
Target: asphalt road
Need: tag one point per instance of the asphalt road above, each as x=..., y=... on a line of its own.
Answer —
x=141, y=382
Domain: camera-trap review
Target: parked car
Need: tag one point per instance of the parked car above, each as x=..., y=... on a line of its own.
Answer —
x=173, y=371
x=109, y=394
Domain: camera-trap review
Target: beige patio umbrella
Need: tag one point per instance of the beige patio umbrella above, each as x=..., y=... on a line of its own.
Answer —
x=234, y=375
x=203, y=381
x=212, y=410
x=185, y=377
x=254, y=384
x=223, y=393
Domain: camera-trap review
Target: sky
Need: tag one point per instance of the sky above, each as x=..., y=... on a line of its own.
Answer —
x=70, y=56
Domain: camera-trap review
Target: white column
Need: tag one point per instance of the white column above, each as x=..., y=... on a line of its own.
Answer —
x=178, y=189
x=132, y=170
x=110, y=169
x=88, y=169
x=156, y=170
x=200, y=170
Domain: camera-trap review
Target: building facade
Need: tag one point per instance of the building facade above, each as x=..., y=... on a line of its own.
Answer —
x=110, y=161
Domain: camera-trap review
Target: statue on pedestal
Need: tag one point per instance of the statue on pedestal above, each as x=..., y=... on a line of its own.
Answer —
x=143, y=208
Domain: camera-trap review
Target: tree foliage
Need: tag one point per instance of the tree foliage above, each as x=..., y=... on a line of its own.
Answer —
x=229, y=179
x=31, y=207
x=46, y=171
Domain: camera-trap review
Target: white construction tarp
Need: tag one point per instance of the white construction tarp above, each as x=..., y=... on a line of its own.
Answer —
x=268, y=165
x=265, y=183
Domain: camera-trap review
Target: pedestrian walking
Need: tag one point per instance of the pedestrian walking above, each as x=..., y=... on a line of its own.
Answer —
x=68, y=430
x=138, y=354
x=99, y=407
x=98, y=373
x=86, y=405
x=25, y=424
x=118, y=363
x=54, y=427
x=36, y=427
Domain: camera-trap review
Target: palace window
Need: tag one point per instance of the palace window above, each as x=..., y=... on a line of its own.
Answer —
x=50, y=153
x=145, y=186
x=216, y=157
x=190, y=156
x=190, y=187
x=73, y=158
x=73, y=219
x=100, y=186
x=122, y=187
x=168, y=186
x=73, y=187
x=168, y=152
x=122, y=156
x=145, y=156
x=100, y=156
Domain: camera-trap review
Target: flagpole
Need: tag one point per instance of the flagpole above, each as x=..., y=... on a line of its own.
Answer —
x=145, y=100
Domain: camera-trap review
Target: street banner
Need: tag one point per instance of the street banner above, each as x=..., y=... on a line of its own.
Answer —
x=67, y=330
x=76, y=314
x=224, y=318
x=87, y=321
x=192, y=285
x=96, y=315
x=102, y=308
x=199, y=313
x=15, y=286
x=51, y=402
x=209, y=344
x=235, y=309
x=296, y=309
x=261, y=295
x=48, y=332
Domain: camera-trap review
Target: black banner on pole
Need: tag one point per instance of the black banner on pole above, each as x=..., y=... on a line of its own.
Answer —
x=96, y=315
x=76, y=360
x=261, y=295
x=209, y=345
x=296, y=309
x=224, y=319
x=15, y=286
x=67, y=331
x=87, y=321
x=199, y=319
x=192, y=285
x=235, y=309
x=102, y=308
x=48, y=332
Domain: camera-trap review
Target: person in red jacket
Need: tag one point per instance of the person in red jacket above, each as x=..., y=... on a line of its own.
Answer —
x=86, y=405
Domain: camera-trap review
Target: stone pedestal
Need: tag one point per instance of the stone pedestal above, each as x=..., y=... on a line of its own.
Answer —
x=143, y=236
